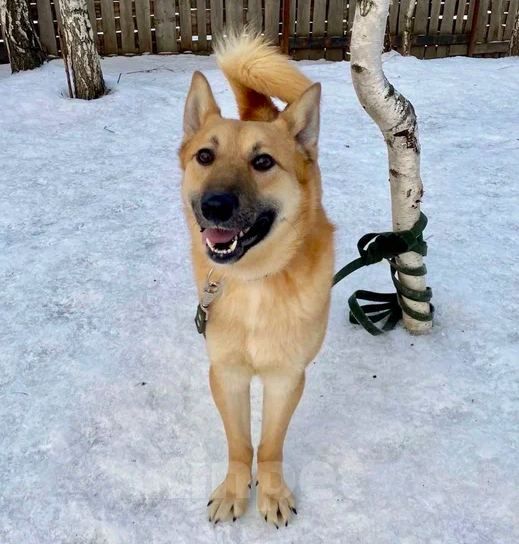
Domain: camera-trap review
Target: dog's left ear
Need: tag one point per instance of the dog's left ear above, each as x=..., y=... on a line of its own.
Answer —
x=200, y=104
x=303, y=118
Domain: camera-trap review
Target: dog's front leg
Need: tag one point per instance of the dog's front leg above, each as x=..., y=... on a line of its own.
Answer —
x=281, y=394
x=230, y=386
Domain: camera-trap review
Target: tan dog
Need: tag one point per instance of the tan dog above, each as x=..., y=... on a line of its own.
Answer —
x=252, y=196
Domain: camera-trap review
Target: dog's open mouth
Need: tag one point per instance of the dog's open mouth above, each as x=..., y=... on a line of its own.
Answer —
x=225, y=246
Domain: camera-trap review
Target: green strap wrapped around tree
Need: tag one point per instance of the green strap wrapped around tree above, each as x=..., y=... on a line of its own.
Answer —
x=373, y=248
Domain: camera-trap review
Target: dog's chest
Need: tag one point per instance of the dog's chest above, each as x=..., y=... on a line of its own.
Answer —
x=276, y=323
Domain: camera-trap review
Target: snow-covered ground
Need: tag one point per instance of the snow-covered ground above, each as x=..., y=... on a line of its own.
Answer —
x=108, y=433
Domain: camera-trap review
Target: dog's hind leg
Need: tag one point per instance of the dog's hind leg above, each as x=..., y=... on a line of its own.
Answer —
x=230, y=387
x=281, y=395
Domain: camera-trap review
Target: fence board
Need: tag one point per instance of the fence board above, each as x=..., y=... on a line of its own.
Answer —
x=460, y=17
x=234, y=13
x=46, y=25
x=420, y=26
x=495, y=32
x=482, y=22
x=491, y=48
x=302, y=26
x=186, y=34
x=335, y=27
x=127, y=26
x=459, y=28
x=510, y=19
x=468, y=23
x=446, y=27
x=292, y=18
x=434, y=24
x=318, y=27
x=216, y=18
x=109, y=35
x=201, y=24
x=143, y=17
x=272, y=19
x=255, y=15
x=165, y=26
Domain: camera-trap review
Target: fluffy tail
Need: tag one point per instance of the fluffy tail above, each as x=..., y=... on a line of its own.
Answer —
x=257, y=71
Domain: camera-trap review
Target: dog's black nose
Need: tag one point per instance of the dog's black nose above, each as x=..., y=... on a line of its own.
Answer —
x=218, y=206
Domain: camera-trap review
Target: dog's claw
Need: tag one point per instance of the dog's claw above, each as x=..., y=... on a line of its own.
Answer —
x=216, y=522
x=276, y=526
x=210, y=502
x=265, y=518
x=257, y=483
x=295, y=511
x=234, y=519
x=286, y=523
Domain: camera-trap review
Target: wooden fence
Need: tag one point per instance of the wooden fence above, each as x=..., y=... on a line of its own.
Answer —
x=316, y=28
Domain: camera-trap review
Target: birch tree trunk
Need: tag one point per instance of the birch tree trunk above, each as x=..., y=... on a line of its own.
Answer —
x=80, y=45
x=23, y=45
x=396, y=118
x=408, y=28
x=513, y=49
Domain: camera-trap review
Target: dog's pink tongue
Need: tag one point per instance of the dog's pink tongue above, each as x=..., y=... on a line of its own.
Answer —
x=218, y=236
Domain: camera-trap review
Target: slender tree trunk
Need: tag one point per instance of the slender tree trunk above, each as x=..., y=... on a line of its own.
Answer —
x=23, y=45
x=80, y=44
x=514, y=38
x=408, y=28
x=396, y=118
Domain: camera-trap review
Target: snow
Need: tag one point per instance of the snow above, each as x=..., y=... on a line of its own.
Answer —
x=108, y=433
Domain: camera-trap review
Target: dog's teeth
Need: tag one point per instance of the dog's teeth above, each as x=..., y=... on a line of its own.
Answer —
x=230, y=249
x=246, y=230
x=242, y=234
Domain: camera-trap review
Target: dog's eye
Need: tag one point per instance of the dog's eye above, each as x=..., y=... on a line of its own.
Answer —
x=263, y=163
x=205, y=157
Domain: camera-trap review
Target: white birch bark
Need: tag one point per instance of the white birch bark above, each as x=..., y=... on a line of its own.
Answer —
x=408, y=28
x=23, y=45
x=80, y=44
x=396, y=118
x=513, y=49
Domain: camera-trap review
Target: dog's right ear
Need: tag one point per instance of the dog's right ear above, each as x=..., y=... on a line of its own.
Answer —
x=200, y=104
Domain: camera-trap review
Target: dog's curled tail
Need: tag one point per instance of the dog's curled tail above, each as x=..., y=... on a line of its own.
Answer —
x=256, y=71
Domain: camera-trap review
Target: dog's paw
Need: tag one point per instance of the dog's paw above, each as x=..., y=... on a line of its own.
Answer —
x=229, y=500
x=276, y=501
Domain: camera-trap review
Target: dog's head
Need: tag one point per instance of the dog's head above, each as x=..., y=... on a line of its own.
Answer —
x=247, y=184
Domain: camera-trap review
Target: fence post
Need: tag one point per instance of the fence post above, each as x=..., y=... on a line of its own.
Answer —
x=285, y=36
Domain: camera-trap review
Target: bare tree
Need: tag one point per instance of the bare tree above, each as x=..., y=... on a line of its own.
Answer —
x=513, y=49
x=77, y=33
x=395, y=116
x=23, y=45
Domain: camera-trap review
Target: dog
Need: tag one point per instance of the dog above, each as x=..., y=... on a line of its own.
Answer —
x=252, y=197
